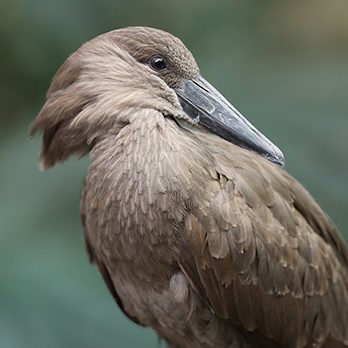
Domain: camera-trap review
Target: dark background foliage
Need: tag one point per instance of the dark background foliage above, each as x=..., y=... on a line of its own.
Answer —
x=282, y=63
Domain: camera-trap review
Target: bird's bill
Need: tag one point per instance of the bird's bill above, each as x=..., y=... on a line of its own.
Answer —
x=207, y=107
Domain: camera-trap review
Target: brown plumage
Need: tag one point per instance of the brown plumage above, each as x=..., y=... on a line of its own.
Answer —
x=205, y=241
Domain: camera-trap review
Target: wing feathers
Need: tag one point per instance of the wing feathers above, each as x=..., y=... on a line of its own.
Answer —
x=268, y=258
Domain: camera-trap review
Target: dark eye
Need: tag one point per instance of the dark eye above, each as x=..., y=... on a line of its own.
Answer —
x=157, y=63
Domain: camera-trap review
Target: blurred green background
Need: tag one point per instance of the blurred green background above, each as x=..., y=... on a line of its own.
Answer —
x=284, y=64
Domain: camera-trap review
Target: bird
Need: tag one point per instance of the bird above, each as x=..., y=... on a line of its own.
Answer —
x=187, y=210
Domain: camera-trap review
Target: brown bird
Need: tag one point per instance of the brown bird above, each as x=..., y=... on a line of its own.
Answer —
x=196, y=232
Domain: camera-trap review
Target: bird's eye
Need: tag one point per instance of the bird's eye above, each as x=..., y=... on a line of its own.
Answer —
x=157, y=63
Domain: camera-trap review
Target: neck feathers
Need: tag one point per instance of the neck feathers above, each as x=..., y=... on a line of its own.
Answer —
x=147, y=172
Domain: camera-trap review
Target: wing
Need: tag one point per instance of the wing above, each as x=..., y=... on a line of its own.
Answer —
x=267, y=256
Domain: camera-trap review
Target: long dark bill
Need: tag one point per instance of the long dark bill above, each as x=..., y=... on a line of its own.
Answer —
x=206, y=106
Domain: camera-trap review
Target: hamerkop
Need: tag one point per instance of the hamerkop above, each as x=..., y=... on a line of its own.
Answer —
x=197, y=230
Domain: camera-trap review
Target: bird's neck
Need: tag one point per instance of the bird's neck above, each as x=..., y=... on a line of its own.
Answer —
x=142, y=182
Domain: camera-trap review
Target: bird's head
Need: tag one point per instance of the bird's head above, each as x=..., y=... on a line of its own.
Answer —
x=103, y=84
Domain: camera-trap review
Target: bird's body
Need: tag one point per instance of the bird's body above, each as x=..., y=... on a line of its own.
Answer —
x=208, y=243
